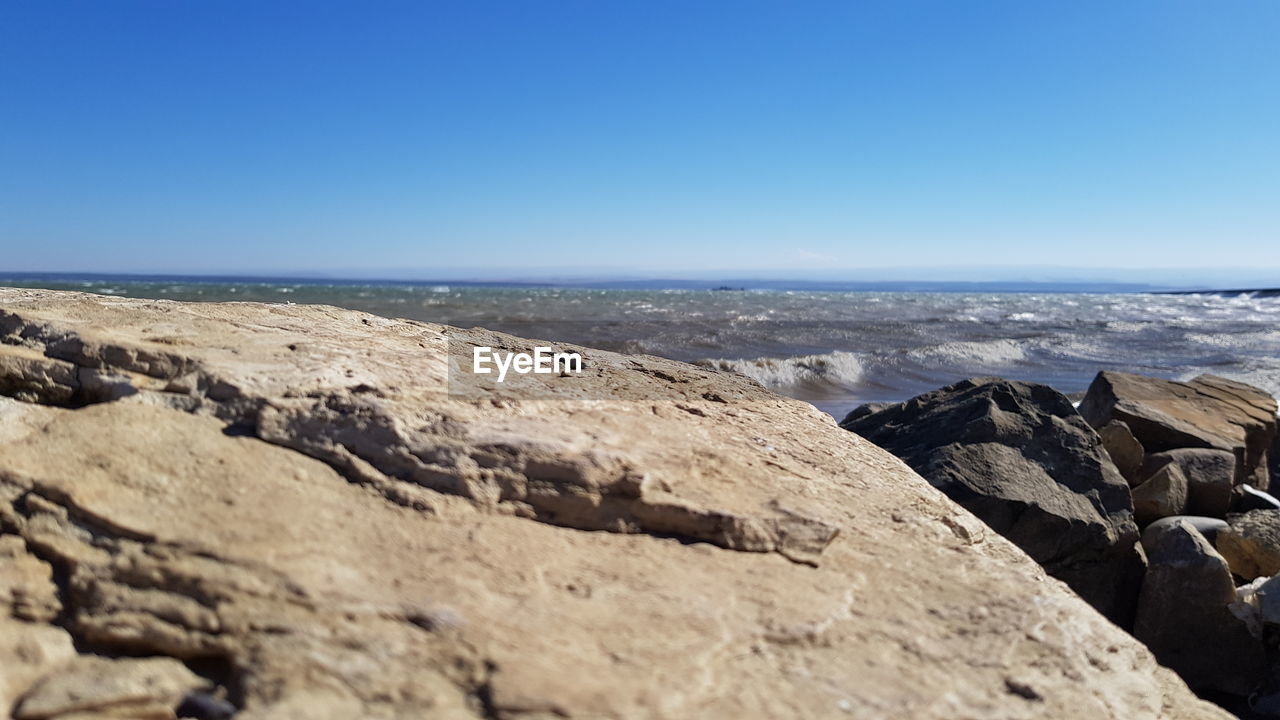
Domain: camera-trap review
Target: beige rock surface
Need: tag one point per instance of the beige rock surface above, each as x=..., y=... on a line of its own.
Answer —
x=288, y=499
x=118, y=687
x=1251, y=543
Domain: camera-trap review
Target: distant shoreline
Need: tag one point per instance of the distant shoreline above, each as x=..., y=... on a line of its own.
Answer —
x=721, y=284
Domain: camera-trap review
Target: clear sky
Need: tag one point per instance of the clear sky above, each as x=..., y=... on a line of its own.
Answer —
x=647, y=137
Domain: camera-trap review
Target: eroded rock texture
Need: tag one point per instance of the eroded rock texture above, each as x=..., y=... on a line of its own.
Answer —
x=287, y=501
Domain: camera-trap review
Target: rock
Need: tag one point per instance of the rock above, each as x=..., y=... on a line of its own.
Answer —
x=203, y=706
x=30, y=644
x=1251, y=498
x=1207, y=412
x=1210, y=477
x=1185, y=615
x=1019, y=457
x=1162, y=495
x=864, y=410
x=124, y=687
x=1273, y=462
x=1268, y=601
x=298, y=502
x=1206, y=526
x=1251, y=543
x=1123, y=448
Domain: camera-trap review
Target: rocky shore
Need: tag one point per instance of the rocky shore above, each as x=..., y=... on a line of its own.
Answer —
x=1187, y=462
x=268, y=511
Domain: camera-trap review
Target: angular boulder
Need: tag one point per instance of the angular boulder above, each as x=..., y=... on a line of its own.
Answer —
x=1206, y=412
x=1123, y=449
x=1210, y=476
x=1185, y=614
x=1018, y=456
x=1164, y=494
x=297, y=503
x=1251, y=543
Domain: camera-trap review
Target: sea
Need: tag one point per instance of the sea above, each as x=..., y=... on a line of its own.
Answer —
x=833, y=348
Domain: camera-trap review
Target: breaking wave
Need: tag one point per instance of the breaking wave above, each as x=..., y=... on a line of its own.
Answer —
x=974, y=354
x=839, y=369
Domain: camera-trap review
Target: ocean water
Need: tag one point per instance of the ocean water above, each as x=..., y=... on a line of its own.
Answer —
x=833, y=349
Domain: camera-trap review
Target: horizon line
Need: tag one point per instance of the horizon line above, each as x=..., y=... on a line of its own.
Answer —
x=704, y=282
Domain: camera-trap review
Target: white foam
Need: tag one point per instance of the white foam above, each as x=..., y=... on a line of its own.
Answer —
x=835, y=368
x=978, y=354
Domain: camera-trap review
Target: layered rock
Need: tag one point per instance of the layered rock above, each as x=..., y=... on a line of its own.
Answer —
x=1018, y=456
x=290, y=501
x=1206, y=412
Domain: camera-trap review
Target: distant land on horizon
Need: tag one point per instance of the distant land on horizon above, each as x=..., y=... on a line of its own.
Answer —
x=657, y=283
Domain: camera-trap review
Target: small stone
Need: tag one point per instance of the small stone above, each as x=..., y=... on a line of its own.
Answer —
x=1210, y=477
x=1162, y=495
x=1125, y=450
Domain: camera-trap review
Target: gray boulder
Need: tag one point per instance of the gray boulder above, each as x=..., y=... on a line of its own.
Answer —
x=1123, y=448
x=1251, y=543
x=1206, y=526
x=1019, y=457
x=865, y=409
x=1163, y=494
x=1210, y=474
x=1206, y=412
x=1185, y=614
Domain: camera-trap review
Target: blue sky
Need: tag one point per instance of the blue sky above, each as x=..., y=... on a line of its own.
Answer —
x=659, y=138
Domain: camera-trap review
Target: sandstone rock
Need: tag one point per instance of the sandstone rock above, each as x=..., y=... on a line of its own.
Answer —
x=292, y=500
x=30, y=646
x=126, y=687
x=1210, y=477
x=1123, y=448
x=1251, y=543
x=1208, y=527
x=1185, y=616
x=1019, y=456
x=1162, y=495
x=1207, y=412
